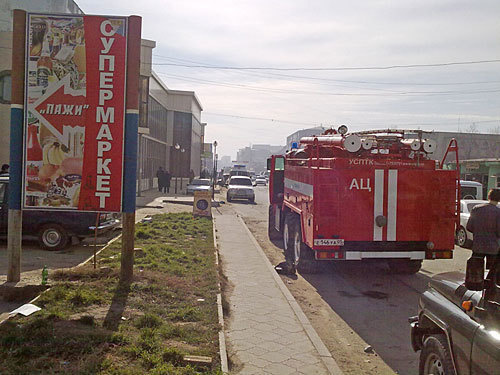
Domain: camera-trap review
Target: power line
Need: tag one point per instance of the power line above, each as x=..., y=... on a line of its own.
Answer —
x=334, y=68
x=342, y=80
x=306, y=92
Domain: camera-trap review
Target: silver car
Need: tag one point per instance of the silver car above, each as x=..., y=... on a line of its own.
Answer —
x=199, y=184
x=240, y=187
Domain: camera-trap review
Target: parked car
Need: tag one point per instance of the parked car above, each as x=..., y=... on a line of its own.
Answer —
x=471, y=190
x=261, y=180
x=199, y=184
x=54, y=229
x=464, y=238
x=457, y=330
x=240, y=187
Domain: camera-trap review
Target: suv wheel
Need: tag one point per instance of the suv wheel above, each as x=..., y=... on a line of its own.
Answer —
x=53, y=237
x=435, y=358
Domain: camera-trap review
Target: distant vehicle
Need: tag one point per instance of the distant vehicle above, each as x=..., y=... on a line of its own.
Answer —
x=464, y=238
x=240, y=187
x=261, y=180
x=199, y=184
x=471, y=190
x=54, y=229
x=457, y=329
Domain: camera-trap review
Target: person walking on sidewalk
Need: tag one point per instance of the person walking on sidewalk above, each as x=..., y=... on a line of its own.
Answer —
x=160, y=175
x=484, y=223
x=167, y=176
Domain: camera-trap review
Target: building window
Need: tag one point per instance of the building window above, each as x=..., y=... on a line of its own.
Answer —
x=5, y=87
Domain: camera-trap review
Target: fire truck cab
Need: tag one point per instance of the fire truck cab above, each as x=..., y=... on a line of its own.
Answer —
x=366, y=195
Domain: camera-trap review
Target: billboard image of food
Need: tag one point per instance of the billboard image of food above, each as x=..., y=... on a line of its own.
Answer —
x=74, y=122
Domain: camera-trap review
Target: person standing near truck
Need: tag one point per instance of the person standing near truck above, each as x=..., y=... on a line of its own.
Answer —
x=484, y=224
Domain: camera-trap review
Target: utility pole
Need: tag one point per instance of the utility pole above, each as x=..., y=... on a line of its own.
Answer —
x=15, y=215
x=131, y=130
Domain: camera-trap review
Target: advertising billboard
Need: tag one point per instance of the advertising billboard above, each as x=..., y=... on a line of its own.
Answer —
x=75, y=112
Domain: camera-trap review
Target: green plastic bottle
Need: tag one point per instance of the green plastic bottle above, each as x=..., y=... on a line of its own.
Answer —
x=45, y=275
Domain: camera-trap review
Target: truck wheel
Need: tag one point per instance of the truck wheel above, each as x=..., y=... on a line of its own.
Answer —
x=435, y=358
x=303, y=255
x=287, y=235
x=404, y=266
x=52, y=237
x=271, y=230
x=462, y=239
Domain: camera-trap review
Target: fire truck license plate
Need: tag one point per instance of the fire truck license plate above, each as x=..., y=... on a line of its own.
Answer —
x=328, y=242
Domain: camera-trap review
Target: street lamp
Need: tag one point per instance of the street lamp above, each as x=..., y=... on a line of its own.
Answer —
x=215, y=169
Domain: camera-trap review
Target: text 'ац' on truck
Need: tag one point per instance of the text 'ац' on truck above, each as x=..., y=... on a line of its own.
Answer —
x=365, y=195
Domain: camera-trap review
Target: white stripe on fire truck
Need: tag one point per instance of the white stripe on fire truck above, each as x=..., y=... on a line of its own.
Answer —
x=392, y=201
x=299, y=187
x=378, y=203
x=358, y=255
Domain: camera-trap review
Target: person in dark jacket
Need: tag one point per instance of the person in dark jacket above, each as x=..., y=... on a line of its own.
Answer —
x=160, y=175
x=166, y=181
x=484, y=224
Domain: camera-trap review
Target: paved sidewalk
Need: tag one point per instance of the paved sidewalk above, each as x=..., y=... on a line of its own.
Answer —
x=267, y=332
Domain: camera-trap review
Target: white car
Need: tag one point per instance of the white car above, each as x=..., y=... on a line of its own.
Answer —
x=199, y=184
x=463, y=236
x=261, y=180
x=240, y=187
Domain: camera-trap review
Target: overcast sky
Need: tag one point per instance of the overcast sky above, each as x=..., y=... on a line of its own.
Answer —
x=240, y=105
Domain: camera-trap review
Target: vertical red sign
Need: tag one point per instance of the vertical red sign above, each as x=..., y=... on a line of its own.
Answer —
x=103, y=157
x=74, y=124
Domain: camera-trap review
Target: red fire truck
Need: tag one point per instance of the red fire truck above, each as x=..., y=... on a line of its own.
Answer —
x=365, y=195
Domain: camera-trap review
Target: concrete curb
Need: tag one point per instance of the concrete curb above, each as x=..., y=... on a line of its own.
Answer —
x=324, y=353
x=222, y=337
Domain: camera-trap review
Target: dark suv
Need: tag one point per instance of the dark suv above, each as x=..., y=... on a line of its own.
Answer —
x=457, y=329
x=54, y=229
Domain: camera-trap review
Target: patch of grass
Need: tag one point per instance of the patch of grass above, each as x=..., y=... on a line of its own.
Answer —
x=148, y=321
x=145, y=327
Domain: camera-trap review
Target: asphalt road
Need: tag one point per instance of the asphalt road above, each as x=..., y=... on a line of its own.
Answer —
x=370, y=300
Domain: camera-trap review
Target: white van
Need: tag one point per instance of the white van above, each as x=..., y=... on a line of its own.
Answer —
x=471, y=190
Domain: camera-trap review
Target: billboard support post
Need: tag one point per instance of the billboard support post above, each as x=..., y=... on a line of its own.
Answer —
x=15, y=216
x=130, y=151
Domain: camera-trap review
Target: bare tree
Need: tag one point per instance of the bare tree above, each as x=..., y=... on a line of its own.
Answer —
x=494, y=130
x=472, y=128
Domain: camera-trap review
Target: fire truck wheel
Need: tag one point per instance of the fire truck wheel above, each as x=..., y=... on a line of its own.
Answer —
x=271, y=229
x=404, y=266
x=303, y=255
x=287, y=236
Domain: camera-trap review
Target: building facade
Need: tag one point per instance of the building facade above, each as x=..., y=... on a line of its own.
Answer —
x=171, y=133
x=255, y=157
